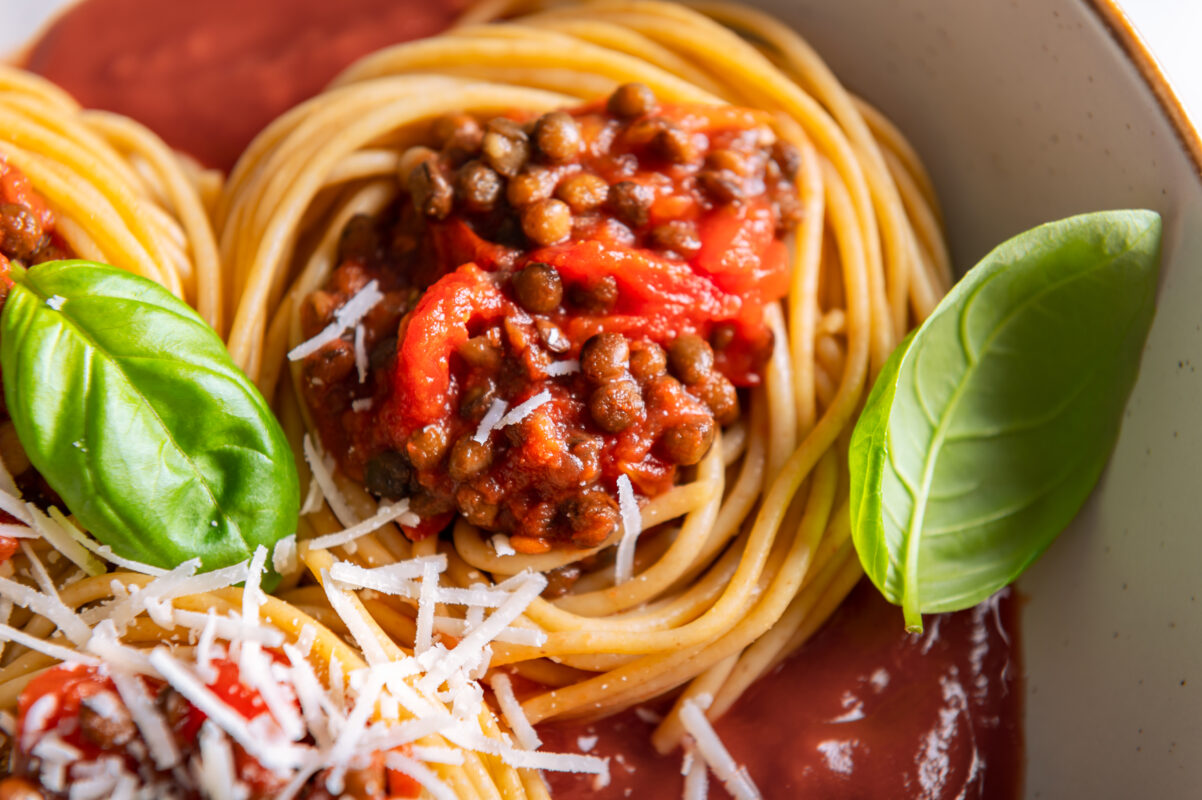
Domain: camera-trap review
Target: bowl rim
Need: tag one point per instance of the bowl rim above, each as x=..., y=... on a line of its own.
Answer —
x=1136, y=49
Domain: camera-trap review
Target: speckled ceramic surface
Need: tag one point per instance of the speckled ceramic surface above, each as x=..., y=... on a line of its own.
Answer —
x=1026, y=111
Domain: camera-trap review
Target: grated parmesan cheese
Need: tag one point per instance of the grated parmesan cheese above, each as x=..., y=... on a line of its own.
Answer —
x=384, y=515
x=632, y=526
x=710, y=749
x=361, y=405
x=557, y=369
x=360, y=353
x=511, y=709
x=491, y=417
x=348, y=315
x=501, y=545
x=523, y=410
x=56, y=301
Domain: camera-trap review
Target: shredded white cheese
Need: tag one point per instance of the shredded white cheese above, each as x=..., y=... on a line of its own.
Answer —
x=558, y=369
x=383, y=516
x=361, y=405
x=56, y=301
x=511, y=709
x=632, y=526
x=351, y=312
x=360, y=353
x=501, y=545
x=491, y=417
x=710, y=748
x=523, y=410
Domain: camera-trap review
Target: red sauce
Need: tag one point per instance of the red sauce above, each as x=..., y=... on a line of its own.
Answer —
x=208, y=75
x=655, y=258
x=81, y=707
x=863, y=710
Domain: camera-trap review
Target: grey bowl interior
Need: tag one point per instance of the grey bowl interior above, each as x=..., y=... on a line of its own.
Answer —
x=1027, y=111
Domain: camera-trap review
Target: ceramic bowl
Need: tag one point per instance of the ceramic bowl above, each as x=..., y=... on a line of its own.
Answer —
x=1027, y=111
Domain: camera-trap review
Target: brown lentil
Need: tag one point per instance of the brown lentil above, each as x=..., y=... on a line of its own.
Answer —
x=532, y=185
x=478, y=351
x=506, y=146
x=674, y=145
x=468, y=459
x=20, y=231
x=616, y=405
x=561, y=580
x=557, y=137
x=538, y=288
x=475, y=507
x=687, y=443
x=648, y=361
x=547, y=222
x=388, y=474
x=478, y=186
x=631, y=202
x=583, y=192
x=427, y=446
x=593, y=518
x=691, y=358
x=552, y=337
x=631, y=100
x=457, y=131
x=333, y=362
x=678, y=236
x=426, y=505
x=476, y=400
x=431, y=192
x=719, y=394
x=725, y=160
x=720, y=185
x=599, y=297
x=604, y=357
x=722, y=335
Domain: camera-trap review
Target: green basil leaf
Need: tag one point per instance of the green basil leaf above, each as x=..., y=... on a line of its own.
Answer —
x=132, y=409
x=990, y=424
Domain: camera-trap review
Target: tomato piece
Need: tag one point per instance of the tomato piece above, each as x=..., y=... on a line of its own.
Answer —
x=427, y=339
x=740, y=251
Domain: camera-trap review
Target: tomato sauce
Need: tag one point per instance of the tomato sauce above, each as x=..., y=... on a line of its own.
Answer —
x=207, y=76
x=863, y=710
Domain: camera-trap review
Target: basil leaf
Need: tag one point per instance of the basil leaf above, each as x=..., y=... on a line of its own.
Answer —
x=132, y=409
x=990, y=424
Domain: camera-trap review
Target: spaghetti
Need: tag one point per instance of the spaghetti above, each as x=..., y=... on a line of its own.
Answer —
x=752, y=551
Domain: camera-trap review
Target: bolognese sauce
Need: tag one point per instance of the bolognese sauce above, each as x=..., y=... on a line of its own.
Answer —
x=567, y=298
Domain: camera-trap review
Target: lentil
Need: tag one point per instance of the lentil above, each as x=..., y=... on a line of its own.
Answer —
x=691, y=358
x=547, y=221
x=388, y=474
x=583, y=192
x=478, y=186
x=687, y=443
x=631, y=100
x=468, y=459
x=431, y=192
x=631, y=202
x=604, y=357
x=557, y=137
x=616, y=405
